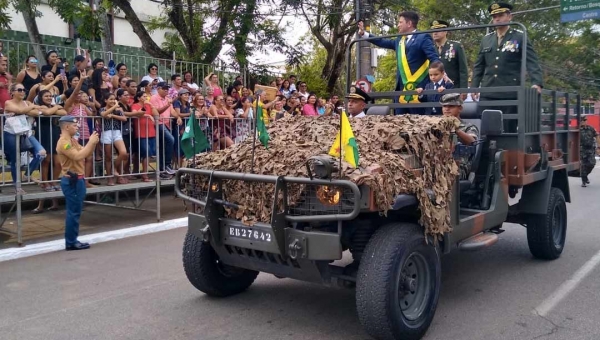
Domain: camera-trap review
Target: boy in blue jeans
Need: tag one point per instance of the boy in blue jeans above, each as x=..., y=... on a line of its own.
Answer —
x=436, y=75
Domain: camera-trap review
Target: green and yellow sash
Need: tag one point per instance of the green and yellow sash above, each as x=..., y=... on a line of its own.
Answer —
x=410, y=80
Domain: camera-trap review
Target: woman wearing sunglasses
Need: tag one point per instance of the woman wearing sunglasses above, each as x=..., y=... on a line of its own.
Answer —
x=14, y=110
x=30, y=75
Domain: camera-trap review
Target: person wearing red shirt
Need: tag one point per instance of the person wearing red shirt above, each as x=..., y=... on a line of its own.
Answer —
x=5, y=82
x=145, y=130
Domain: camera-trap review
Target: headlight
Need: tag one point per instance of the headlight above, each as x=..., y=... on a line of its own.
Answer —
x=328, y=195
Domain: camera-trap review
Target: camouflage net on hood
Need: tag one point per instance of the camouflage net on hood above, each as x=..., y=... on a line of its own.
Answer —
x=383, y=142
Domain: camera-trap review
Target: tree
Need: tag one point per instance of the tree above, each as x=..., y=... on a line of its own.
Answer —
x=28, y=8
x=310, y=70
x=203, y=28
x=333, y=25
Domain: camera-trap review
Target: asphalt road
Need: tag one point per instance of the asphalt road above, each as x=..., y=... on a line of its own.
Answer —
x=135, y=289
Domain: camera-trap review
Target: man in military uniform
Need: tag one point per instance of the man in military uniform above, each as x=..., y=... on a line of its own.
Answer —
x=71, y=156
x=467, y=134
x=499, y=61
x=452, y=54
x=587, y=150
x=357, y=100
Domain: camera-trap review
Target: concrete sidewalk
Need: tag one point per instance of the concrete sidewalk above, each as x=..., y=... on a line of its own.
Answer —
x=50, y=225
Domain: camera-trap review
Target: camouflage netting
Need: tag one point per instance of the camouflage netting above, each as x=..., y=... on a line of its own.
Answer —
x=383, y=142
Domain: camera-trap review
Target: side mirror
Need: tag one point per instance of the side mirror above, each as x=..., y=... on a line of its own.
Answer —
x=491, y=123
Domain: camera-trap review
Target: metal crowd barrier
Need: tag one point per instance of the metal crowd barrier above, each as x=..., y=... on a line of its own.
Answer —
x=17, y=52
x=219, y=134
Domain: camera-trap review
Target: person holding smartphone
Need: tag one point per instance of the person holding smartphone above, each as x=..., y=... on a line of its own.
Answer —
x=55, y=65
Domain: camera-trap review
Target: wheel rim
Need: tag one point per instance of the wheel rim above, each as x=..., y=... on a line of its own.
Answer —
x=225, y=270
x=414, y=286
x=557, y=226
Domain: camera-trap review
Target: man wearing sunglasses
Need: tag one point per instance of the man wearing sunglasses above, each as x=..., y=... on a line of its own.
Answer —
x=71, y=156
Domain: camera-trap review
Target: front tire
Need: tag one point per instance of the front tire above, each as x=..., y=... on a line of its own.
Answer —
x=398, y=283
x=546, y=234
x=212, y=277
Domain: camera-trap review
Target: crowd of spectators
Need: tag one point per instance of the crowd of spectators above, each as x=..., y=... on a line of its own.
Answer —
x=133, y=116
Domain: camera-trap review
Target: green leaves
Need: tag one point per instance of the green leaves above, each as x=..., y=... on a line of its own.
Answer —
x=5, y=19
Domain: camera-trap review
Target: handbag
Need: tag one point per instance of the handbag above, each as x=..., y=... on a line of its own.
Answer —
x=17, y=124
x=25, y=143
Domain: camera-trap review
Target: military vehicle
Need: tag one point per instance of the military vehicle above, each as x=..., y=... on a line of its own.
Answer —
x=396, y=270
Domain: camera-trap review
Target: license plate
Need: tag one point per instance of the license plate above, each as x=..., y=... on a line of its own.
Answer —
x=250, y=234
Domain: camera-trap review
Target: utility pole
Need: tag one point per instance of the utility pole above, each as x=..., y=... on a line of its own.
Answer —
x=363, y=9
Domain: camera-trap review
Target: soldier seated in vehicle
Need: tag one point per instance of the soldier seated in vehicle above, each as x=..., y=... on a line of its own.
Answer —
x=467, y=134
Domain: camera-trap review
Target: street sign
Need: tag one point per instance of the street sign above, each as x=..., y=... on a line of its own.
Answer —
x=575, y=10
x=364, y=85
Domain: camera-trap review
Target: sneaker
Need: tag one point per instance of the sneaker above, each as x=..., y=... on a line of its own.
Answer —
x=169, y=170
x=165, y=176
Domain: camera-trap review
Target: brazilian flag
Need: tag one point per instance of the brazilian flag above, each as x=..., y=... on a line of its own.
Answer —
x=261, y=128
x=345, y=144
x=193, y=140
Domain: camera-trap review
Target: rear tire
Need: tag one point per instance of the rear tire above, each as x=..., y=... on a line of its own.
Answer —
x=546, y=234
x=210, y=276
x=398, y=283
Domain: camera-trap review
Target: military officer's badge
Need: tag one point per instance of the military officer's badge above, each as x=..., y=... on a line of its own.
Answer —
x=435, y=23
x=353, y=89
x=511, y=46
x=495, y=7
x=450, y=53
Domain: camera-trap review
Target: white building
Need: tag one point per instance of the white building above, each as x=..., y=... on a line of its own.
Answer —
x=50, y=23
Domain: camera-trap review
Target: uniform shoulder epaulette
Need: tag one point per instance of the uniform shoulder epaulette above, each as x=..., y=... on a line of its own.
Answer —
x=516, y=30
x=492, y=32
x=453, y=41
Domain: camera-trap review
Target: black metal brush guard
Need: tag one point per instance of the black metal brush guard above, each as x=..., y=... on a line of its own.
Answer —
x=280, y=216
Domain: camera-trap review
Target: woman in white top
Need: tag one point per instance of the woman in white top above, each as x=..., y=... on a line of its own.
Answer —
x=188, y=78
x=153, y=77
x=15, y=109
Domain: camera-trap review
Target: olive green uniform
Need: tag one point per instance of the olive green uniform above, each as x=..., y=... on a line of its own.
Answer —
x=465, y=162
x=500, y=64
x=452, y=54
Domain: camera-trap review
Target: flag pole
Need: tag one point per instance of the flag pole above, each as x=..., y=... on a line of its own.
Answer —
x=341, y=137
x=257, y=94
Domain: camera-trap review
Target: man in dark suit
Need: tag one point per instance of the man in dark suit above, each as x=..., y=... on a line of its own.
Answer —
x=499, y=61
x=452, y=54
x=414, y=52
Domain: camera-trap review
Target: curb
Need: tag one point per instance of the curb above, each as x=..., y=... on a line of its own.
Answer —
x=52, y=246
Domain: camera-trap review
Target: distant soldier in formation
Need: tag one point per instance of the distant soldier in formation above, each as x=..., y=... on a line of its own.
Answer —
x=587, y=150
x=499, y=61
x=452, y=54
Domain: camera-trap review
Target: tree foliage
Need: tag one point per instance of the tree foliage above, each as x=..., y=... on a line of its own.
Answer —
x=199, y=29
x=332, y=24
x=311, y=70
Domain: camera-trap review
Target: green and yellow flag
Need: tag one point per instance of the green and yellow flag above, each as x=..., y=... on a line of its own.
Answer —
x=349, y=148
x=263, y=135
